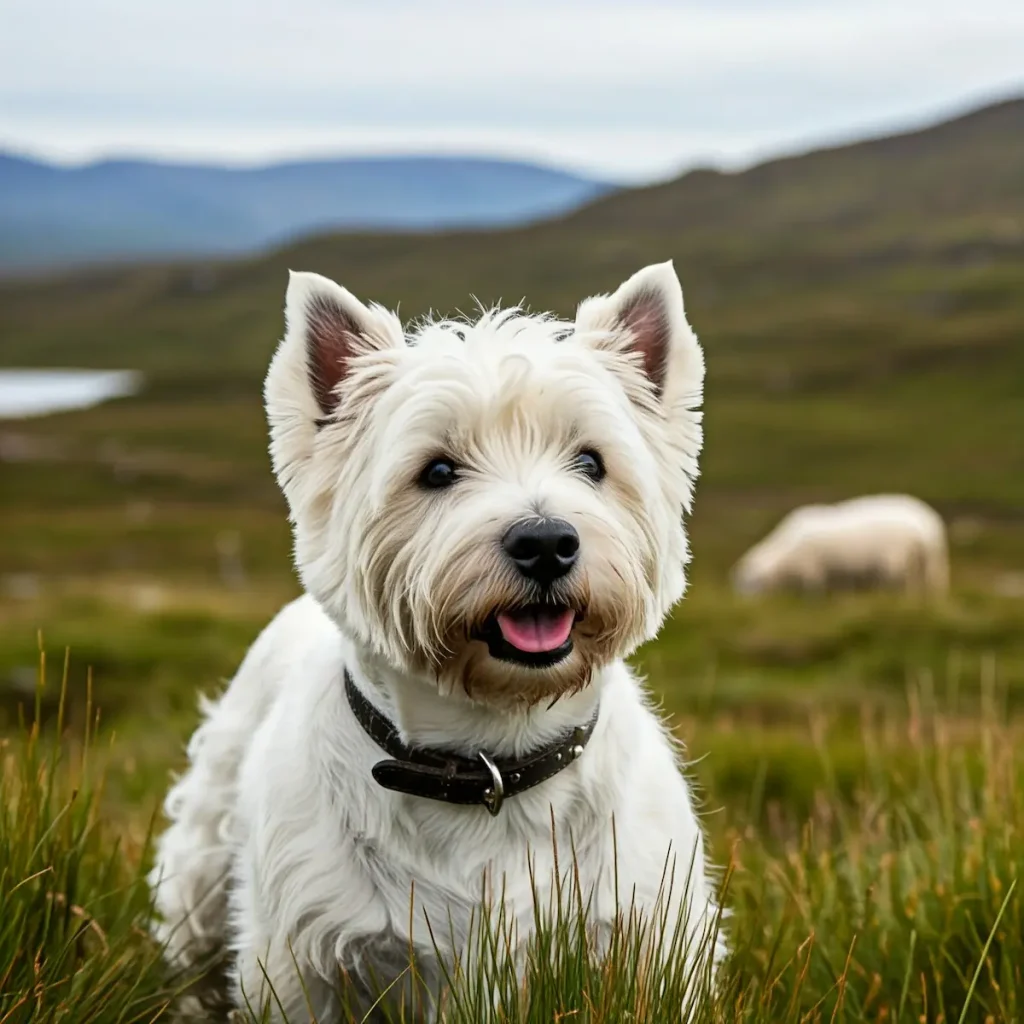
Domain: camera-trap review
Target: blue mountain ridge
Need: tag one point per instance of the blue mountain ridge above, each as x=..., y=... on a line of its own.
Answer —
x=127, y=209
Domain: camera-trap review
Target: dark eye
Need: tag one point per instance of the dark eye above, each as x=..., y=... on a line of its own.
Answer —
x=589, y=463
x=438, y=473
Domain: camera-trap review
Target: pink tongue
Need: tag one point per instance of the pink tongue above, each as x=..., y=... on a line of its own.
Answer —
x=537, y=630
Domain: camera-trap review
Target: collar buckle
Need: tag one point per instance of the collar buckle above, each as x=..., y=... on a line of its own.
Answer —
x=494, y=795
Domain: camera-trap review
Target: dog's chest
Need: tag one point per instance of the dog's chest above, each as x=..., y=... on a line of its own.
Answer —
x=433, y=878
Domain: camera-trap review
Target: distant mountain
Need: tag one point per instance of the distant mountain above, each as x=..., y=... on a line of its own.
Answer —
x=53, y=216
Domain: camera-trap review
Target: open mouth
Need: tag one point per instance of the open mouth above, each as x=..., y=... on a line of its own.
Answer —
x=537, y=635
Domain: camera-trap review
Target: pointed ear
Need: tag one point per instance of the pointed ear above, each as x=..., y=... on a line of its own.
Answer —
x=645, y=316
x=332, y=326
x=327, y=327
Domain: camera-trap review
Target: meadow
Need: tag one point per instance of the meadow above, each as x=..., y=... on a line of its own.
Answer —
x=858, y=757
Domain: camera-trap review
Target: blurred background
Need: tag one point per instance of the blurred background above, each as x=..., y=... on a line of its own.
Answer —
x=840, y=185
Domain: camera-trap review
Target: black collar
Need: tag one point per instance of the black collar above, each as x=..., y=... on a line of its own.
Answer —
x=442, y=775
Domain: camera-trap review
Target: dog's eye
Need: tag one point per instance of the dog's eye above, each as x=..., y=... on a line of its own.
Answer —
x=589, y=463
x=438, y=473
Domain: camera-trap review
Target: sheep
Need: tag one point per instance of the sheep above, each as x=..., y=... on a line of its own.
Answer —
x=887, y=540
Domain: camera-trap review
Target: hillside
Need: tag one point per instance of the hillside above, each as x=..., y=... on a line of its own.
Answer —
x=117, y=210
x=862, y=310
x=966, y=167
x=856, y=759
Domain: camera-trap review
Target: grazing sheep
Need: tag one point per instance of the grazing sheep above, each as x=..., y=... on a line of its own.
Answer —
x=882, y=540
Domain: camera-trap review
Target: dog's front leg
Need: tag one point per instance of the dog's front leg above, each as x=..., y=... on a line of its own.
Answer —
x=661, y=882
x=272, y=988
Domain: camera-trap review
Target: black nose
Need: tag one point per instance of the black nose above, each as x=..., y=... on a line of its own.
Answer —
x=543, y=549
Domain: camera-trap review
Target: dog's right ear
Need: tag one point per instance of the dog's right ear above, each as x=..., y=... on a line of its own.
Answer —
x=333, y=326
x=328, y=329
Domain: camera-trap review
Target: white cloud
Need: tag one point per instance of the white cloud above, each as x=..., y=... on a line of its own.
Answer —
x=625, y=88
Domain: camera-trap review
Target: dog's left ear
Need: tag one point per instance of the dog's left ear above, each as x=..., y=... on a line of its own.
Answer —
x=645, y=316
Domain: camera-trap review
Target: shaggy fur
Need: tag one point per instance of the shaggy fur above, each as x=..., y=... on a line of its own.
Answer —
x=282, y=849
x=884, y=540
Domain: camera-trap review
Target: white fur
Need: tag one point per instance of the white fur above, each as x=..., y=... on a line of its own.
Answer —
x=281, y=847
x=891, y=540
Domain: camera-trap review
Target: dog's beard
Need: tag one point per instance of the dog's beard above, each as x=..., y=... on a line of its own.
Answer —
x=487, y=679
x=523, y=662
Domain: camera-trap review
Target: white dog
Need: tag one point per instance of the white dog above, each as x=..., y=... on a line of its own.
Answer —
x=488, y=518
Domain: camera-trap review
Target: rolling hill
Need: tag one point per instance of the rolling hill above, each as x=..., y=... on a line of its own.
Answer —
x=116, y=210
x=862, y=310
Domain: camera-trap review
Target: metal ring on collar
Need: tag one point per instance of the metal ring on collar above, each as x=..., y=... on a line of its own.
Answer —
x=494, y=795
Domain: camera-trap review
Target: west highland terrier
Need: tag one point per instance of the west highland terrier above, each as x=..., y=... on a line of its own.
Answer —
x=488, y=518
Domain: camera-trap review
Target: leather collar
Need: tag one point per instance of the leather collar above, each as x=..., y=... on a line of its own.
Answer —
x=443, y=775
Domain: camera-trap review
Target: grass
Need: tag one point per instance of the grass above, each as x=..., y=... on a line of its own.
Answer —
x=72, y=945
x=152, y=644
x=891, y=897
x=861, y=311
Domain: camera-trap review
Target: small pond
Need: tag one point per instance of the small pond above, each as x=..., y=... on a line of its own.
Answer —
x=40, y=392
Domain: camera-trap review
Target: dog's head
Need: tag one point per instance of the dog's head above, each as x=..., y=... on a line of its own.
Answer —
x=497, y=503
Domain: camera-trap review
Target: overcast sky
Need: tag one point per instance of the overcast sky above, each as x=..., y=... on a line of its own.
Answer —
x=632, y=90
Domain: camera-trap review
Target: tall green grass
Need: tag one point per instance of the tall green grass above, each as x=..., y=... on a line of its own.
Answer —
x=898, y=903
x=73, y=903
